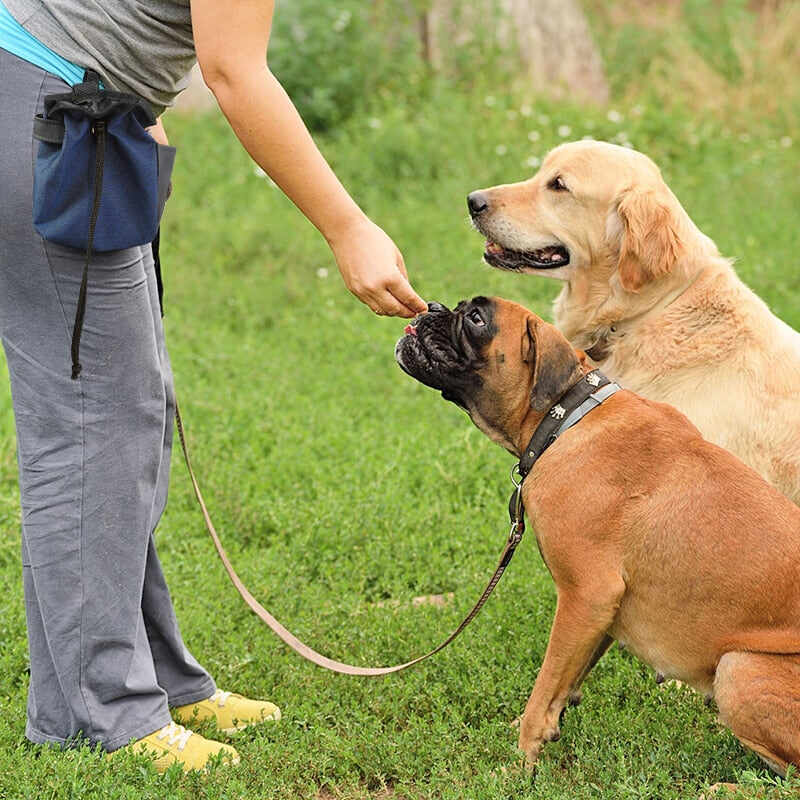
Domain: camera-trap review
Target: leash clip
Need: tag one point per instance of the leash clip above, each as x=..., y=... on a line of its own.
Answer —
x=515, y=508
x=515, y=534
x=516, y=472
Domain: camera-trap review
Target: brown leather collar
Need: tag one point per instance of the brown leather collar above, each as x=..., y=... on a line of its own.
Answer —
x=548, y=429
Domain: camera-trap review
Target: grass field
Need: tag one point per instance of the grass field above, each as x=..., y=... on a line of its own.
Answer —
x=344, y=490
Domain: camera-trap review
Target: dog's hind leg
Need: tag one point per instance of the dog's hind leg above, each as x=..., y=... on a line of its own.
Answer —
x=758, y=696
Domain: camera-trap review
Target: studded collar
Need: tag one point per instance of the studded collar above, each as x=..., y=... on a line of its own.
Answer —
x=588, y=393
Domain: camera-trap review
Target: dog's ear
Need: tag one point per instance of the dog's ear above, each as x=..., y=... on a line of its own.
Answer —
x=651, y=243
x=555, y=364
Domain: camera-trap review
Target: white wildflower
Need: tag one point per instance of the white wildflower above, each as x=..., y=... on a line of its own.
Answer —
x=786, y=141
x=614, y=116
x=543, y=119
x=342, y=21
x=533, y=162
x=564, y=131
x=490, y=100
x=501, y=149
x=525, y=110
x=534, y=136
x=374, y=123
x=322, y=272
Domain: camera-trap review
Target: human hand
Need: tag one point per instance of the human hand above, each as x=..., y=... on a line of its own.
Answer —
x=158, y=133
x=373, y=270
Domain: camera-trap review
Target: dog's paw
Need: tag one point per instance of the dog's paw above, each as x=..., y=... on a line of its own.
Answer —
x=530, y=756
x=532, y=738
x=531, y=747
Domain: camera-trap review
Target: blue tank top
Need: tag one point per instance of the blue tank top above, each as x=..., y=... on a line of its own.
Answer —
x=17, y=41
x=141, y=47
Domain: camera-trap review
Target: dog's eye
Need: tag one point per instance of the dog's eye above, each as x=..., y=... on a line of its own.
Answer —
x=475, y=318
x=557, y=184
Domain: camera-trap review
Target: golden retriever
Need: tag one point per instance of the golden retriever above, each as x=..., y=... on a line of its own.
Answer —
x=650, y=299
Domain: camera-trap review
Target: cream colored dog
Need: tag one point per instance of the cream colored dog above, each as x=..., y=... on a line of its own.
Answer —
x=650, y=299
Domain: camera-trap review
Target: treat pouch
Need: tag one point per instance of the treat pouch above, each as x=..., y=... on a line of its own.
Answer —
x=94, y=151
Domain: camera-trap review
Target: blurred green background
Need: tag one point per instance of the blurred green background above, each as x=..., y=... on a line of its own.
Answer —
x=343, y=489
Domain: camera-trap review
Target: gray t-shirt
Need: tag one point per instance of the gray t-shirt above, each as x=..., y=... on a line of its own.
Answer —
x=140, y=46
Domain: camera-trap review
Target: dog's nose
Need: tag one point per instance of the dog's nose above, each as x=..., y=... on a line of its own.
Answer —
x=477, y=202
x=434, y=308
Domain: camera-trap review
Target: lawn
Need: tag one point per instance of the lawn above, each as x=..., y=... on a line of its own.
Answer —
x=343, y=489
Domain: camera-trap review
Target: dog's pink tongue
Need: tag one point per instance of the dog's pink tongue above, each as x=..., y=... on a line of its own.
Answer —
x=410, y=330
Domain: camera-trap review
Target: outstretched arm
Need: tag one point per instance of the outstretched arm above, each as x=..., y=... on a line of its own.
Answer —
x=231, y=41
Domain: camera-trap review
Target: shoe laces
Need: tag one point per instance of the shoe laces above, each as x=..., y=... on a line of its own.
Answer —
x=174, y=734
x=219, y=697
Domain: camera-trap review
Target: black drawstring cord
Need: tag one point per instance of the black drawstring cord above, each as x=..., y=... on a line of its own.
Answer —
x=99, y=130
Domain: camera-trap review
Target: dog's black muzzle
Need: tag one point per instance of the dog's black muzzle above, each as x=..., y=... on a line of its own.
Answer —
x=436, y=351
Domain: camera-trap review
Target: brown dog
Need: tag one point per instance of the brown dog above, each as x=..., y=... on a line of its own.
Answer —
x=653, y=535
x=651, y=300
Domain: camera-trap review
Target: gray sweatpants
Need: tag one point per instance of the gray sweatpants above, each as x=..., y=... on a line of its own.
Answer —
x=106, y=652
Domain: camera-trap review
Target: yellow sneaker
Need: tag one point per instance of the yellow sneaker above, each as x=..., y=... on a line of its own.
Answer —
x=232, y=712
x=175, y=744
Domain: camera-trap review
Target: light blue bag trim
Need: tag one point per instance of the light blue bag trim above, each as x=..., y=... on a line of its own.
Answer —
x=17, y=41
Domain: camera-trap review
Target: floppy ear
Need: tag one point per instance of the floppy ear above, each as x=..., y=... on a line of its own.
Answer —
x=555, y=364
x=651, y=243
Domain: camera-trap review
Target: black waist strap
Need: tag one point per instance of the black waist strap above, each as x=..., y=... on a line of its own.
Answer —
x=48, y=130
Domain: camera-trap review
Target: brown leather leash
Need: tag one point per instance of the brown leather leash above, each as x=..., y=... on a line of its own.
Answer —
x=517, y=529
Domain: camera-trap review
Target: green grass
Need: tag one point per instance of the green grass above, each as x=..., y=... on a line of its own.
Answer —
x=343, y=489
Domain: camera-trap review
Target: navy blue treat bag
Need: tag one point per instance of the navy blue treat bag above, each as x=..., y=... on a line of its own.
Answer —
x=100, y=180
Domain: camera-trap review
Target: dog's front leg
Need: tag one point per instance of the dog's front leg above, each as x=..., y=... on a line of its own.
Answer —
x=575, y=694
x=578, y=633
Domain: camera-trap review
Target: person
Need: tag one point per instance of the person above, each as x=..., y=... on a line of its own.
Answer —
x=107, y=657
